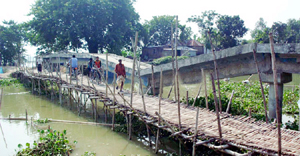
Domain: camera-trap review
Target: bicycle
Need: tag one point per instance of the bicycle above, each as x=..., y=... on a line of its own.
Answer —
x=96, y=75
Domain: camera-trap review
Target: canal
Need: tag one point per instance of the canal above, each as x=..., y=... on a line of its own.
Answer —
x=98, y=139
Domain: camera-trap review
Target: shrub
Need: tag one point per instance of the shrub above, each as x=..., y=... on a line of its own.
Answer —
x=166, y=59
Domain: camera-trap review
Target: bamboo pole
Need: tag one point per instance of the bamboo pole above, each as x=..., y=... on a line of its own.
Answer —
x=229, y=103
x=81, y=76
x=173, y=65
x=250, y=112
x=187, y=98
x=65, y=121
x=159, y=109
x=70, y=71
x=133, y=68
x=205, y=88
x=32, y=85
x=51, y=83
x=216, y=106
x=130, y=127
x=278, y=114
x=26, y=114
x=171, y=89
x=141, y=88
x=153, y=81
x=261, y=85
x=1, y=96
x=106, y=91
x=3, y=135
x=114, y=101
x=96, y=112
x=216, y=72
x=197, y=95
x=177, y=70
x=196, y=133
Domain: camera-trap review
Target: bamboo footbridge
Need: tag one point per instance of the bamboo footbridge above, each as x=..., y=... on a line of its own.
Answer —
x=238, y=132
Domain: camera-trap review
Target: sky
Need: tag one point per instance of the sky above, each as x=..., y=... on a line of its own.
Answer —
x=249, y=11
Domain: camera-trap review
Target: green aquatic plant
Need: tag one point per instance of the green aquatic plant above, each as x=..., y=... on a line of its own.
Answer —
x=89, y=154
x=9, y=82
x=42, y=121
x=247, y=96
x=51, y=142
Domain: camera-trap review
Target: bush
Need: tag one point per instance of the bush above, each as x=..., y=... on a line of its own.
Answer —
x=166, y=59
x=50, y=143
x=9, y=82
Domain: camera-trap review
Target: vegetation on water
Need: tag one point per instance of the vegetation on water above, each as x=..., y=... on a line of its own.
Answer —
x=166, y=59
x=51, y=142
x=248, y=96
x=9, y=82
x=89, y=154
x=42, y=121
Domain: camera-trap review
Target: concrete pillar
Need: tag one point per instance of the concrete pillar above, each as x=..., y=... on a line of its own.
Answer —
x=272, y=100
x=281, y=79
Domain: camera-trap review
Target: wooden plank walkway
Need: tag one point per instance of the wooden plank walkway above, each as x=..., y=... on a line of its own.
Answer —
x=237, y=131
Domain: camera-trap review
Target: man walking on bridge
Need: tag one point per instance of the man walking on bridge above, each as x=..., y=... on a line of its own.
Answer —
x=120, y=70
x=97, y=65
x=39, y=62
x=74, y=66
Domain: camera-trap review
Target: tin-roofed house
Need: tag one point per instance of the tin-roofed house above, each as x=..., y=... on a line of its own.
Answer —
x=188, y=48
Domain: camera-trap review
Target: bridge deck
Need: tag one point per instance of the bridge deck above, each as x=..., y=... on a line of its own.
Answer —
x=235, y=129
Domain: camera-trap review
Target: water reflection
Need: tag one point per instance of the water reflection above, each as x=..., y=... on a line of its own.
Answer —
x=89, y=137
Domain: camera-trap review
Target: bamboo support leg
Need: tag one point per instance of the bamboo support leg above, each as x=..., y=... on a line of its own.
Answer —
x=157, y=140
x=69, y=98
x=148, y=134
x=196, y=133
x=60, y=94
x=92, y=111
x=187, y=97
x=130, y=127
x=114, y=101
x=26, y=114
x=32, y=86
x=105, y=117
x=52, y=90
x=216, y=106
x=96, y=111
x=39, y=83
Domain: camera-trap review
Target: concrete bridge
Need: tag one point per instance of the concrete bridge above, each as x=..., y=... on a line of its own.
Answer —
x=83, y=59
x=232, y=62
x=238, y=61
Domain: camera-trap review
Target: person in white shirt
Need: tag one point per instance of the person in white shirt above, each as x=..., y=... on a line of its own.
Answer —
x=39, y=63
x=74, y=65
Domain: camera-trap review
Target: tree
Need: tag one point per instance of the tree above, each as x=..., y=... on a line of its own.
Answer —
x=11, y=42
x=206, y=23
x=225, y=30
x=279, y=30
x=260, y=34
x=71, y=24
x=159, y=30
x=283, y=32
x=260, y=26
x=231, y=28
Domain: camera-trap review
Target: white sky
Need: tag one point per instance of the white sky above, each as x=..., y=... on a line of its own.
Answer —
x=249, y=11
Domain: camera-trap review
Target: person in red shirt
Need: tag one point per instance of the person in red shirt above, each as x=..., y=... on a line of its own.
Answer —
x=121, y=74
x=97, y=65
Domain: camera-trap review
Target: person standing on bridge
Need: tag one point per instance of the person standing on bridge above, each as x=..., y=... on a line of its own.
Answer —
x=121, y=73
x=74, y=65
x=39, y=62
x=97, y=65
x=90, y=67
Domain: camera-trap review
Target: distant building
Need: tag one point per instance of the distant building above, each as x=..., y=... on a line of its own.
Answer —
x=187, y=48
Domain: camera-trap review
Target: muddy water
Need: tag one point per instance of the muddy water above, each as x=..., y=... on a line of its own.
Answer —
x=90, y=138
